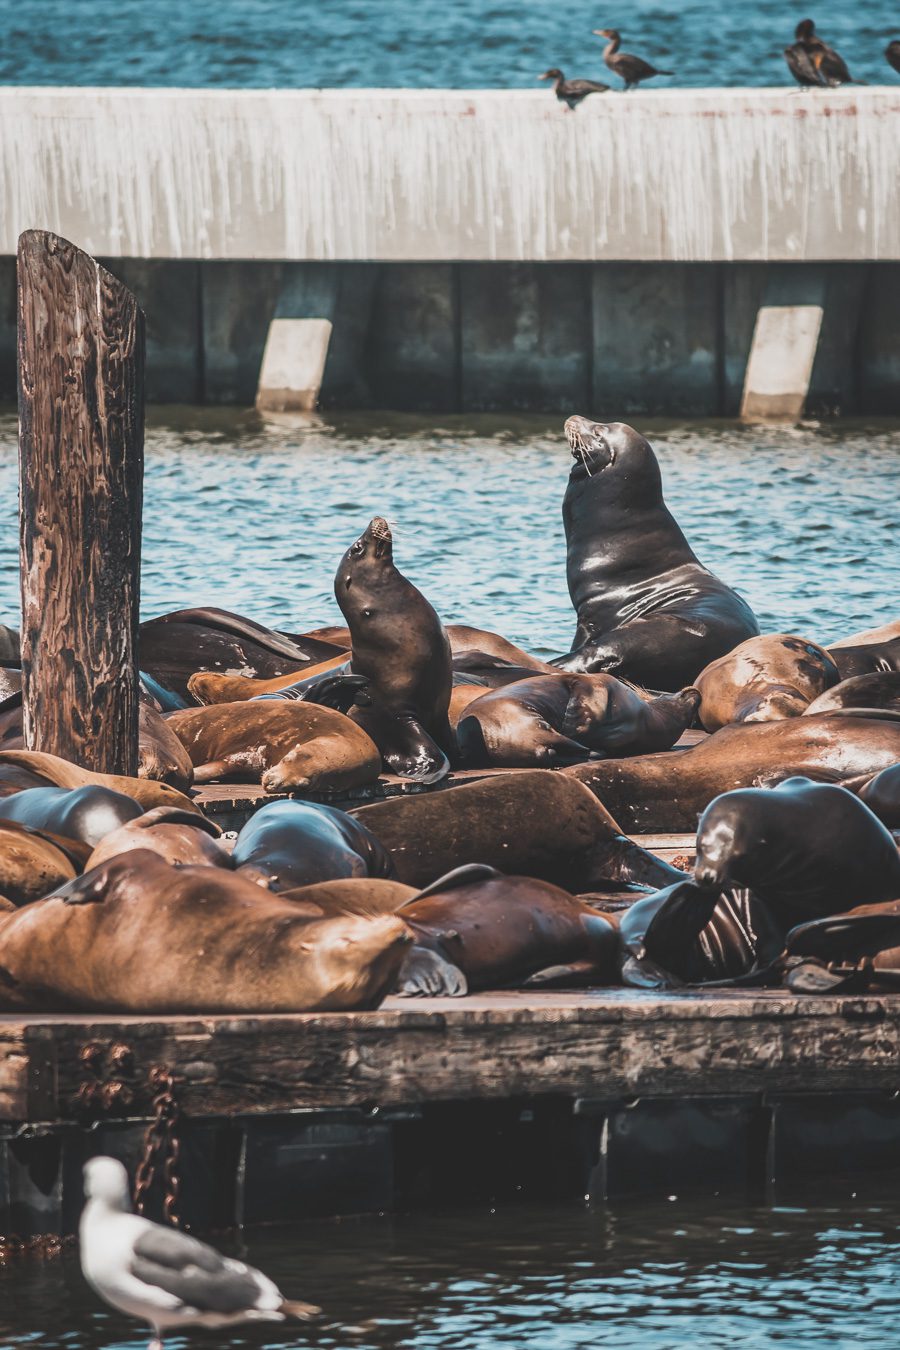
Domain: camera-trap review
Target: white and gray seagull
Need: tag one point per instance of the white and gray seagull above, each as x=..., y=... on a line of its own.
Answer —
x=162, y=1276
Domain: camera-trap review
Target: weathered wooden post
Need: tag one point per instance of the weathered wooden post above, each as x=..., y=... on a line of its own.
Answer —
x=81, y=465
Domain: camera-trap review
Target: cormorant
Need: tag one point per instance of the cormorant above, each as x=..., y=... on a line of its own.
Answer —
x=799, y=58
x=572, y=92
x=892, y=52
x=829, y=65
x=632, y=69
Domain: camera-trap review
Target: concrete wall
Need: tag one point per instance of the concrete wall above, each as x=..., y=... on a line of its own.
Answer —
x=455, y=175
x=639, y=338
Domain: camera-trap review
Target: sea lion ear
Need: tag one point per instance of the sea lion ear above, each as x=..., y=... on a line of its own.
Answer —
x=460, y=876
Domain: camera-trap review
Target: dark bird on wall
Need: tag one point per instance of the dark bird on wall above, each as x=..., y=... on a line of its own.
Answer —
x=892, y=53
x=632, y=69
x=572, y=92
x=799, y=59
x=829, y=65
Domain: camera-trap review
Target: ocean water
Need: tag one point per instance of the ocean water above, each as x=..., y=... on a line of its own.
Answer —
x=254, y=517
x=671, y=1276
x=418, y=43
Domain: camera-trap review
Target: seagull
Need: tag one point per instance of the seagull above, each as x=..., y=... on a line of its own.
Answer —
x=162, y=1276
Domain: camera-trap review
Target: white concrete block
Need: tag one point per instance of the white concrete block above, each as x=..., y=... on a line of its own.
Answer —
x=779, y=370
x=293, y=365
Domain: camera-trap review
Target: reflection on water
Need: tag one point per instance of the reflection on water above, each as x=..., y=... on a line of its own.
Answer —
x=255, y=517
x=529, y=1278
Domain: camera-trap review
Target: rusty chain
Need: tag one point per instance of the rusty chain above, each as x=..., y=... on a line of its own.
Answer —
x=162, y=1149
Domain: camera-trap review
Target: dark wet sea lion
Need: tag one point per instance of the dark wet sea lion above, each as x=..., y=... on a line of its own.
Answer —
x=869, y=658
x=647, y=609
x=670, y=790
x=401, y=648
x=489, y=931
x=880, y=690
x=209, y=687
x=806, y=849
x=35, y=862
x=32, y=768
x=86, y=813
x=764, y=679
x=178, y=836
x=137, y=935
x=858, y=951
x=285, y=746
x=290, y=844
x=464, y=639
x=532, y=823
x=881, y=794
x=176, y=645
x=549, y=720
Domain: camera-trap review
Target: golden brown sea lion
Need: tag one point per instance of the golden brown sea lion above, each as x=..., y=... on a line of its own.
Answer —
x=529, y=822
x=286, y=746
x=137, y=935
x=180, y=837
x=32, y=768
x=549, y=720
x=33, y=863
x=208, y=687
x=764, y=679
x=886, y=633
x=669, y=791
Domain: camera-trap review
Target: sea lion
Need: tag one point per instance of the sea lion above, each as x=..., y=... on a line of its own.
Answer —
x=351, y=895
x=880, y=690
x=86, y=813
x=290, y=844
x=285, y=746
x=175, y=645
x=34, y=862
x=31, y=768
x=886, y=633
x=881, y=794
x=401, y=648
x=669, y=791
x=806, y=849
x=208, y=687
x=764, y=679
x=868, y=658
x=478, y=929
x=178, y=836
x=856, y=951
x=532, y=823
x=464, y=639
x=137, y=935
x=648, y=611
x=549, y=720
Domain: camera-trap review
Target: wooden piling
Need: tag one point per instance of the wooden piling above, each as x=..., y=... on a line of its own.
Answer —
x=81, y=448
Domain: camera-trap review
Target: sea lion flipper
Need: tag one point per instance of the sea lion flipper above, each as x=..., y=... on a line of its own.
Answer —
x=425, y=974
x=409, y=751
x=460, y=876
x=340, y=692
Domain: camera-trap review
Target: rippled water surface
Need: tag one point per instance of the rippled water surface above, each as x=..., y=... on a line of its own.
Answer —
x=649, y=1278
x=255, y=518
x=418, y=43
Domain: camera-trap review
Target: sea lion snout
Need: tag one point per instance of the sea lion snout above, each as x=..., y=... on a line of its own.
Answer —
x=589, y=444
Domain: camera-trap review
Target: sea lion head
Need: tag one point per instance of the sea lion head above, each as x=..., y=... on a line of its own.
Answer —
x=601, y=447
x=365, y=564
x=358, y=956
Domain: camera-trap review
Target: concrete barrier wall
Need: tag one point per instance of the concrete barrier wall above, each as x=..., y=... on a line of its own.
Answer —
x=455, y=175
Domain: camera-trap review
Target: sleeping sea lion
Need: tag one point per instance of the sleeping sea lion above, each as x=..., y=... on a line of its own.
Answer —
x=880, y=690
x=178, y=836
x=208, y=687
x=648, y=611
x=564, y=718
x=869, y=658
x=87, y=813
x=401, y=648
x=32, y=768
x=532, y=823
x=764, y=679
x=289, y=844
x=285, y=746
x=478, y=929
x=806, y=849
x=886, y=633
x=669, y=791
x=137, y=935
x=35, y=862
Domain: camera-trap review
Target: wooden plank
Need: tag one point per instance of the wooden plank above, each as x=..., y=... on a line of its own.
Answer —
x=611, y=1043
x=81, y=410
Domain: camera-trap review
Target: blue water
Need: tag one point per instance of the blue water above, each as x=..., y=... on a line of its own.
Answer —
x=664, y=1277
x=418, y=43
x=255, y=517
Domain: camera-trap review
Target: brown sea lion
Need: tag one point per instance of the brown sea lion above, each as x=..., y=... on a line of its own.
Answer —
x=869, y=658
x=137, y=935
x=549, y=720
x=881, y=794
x=886, y=633
x=648, y=611
x=764, y=679
x=860, y=691
x=33, y=862
x=464, y=639
x=461, y=696
x=32, y=768
x=400, y=647
x=669, y=791
x=176, y=645
x=351, y=895
x=478, y=929
x=285, y=746
x=180, y=837
x=289, y=844
x=209, y=687
x=806, y=849
x=531, y=822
